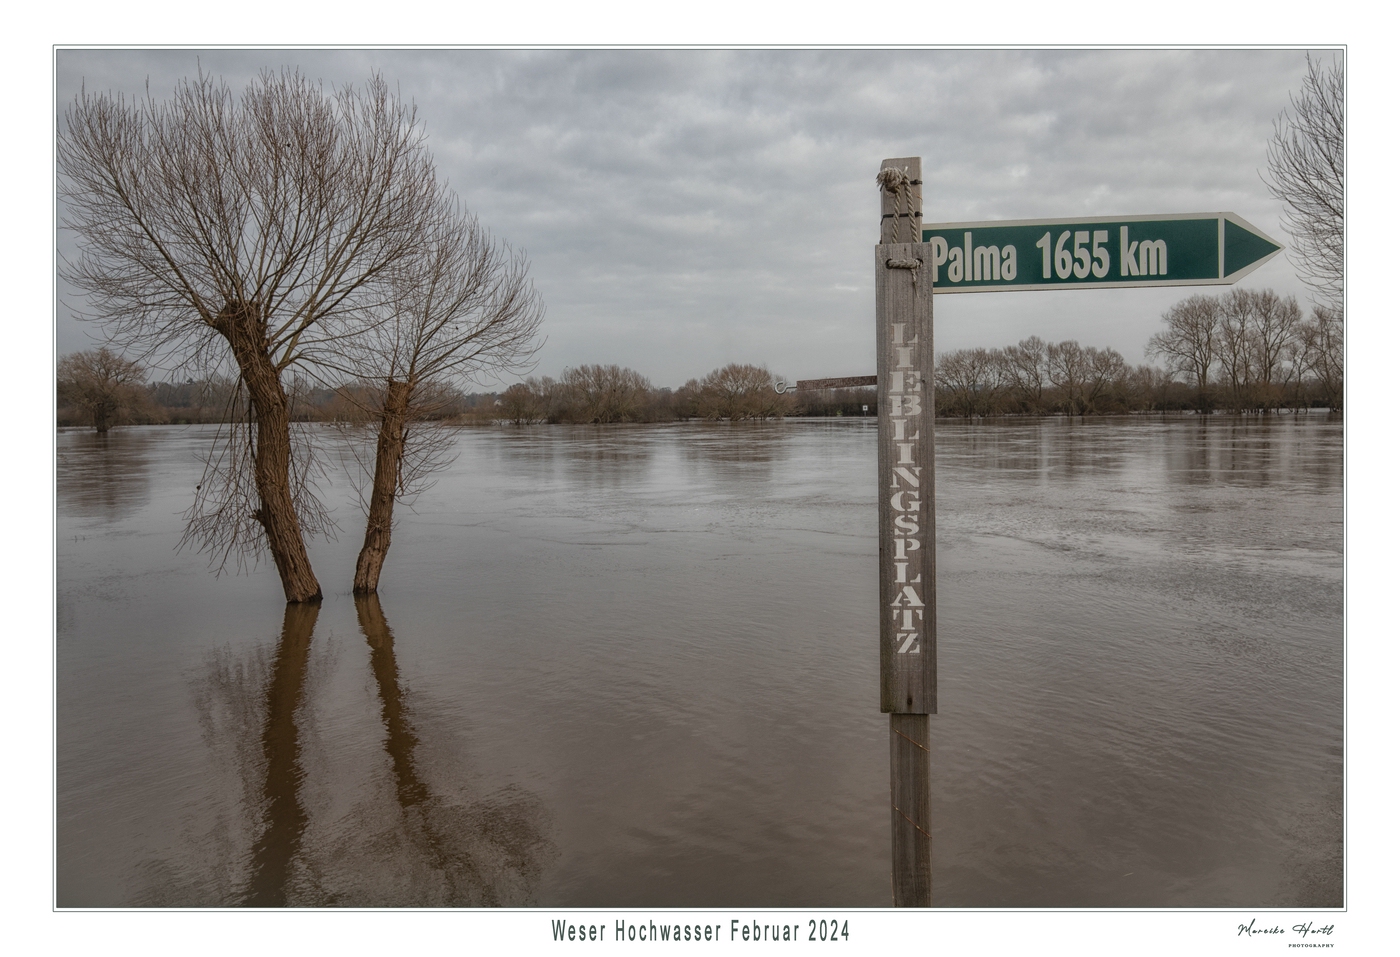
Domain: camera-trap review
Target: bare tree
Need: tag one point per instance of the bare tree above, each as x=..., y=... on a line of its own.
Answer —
x=461, y=308
x=972, y=378
x=1024, y=367
x=686, y=400
x=1295, y=368
x=1146, y=388
x=1273, y=325
x=603, y=394
x=523, y=403
x=1108, y=373
x=247, y=232
x=740, y=391
x=1237, y=355
x=102, y=384
x=1083, y=375
x=1321, y=354
x=1191, y=342
x=1307, y=171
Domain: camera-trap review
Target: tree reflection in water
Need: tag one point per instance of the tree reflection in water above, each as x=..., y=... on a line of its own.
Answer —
x=284, y=816
x=485, y=853
x=103, y=475
x=418, y=847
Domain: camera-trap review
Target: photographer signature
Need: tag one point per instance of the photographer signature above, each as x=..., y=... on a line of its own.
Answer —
x=1249, y=930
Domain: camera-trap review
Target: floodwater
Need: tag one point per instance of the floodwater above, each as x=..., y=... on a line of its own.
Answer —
x=637, y=666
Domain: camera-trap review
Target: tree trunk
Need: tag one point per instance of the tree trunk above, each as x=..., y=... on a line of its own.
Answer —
x=387, y=460
x=272, y=453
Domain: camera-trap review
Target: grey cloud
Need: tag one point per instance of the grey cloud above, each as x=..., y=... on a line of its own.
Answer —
x=687, y=208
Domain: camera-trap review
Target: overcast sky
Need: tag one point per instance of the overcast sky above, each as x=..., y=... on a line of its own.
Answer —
x=685, y=209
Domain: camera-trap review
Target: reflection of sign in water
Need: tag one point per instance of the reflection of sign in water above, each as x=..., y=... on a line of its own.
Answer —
x=1193, y=249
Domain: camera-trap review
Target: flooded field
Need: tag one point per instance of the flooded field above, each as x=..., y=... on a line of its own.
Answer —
x=637, y=666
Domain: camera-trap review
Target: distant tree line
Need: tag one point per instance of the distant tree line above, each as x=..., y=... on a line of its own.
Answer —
x=603, y=394
x=1250, y=350
x=1242, y=351
x=583, y=394
x=89, y=394
x=1038, y=378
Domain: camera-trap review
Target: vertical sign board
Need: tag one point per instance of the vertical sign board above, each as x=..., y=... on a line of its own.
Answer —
x=908, y=664
x=904, y=370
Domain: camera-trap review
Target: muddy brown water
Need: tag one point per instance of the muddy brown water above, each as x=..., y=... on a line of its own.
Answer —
x=635, y=666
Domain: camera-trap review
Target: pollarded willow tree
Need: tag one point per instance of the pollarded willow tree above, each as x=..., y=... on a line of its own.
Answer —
x=461, y=307
x=250, y=232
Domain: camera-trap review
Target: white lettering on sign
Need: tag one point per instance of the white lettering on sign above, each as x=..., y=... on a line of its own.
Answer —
x=940, y=254
x=1073, y=254
x=986, y=263
x=906, y=386
x=1141, y=257
x=910, y=475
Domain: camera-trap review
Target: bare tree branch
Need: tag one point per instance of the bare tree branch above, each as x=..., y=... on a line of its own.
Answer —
x=1307, y=171
x=461, y=307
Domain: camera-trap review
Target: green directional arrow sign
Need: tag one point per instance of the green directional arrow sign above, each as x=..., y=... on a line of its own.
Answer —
x=1174, y=249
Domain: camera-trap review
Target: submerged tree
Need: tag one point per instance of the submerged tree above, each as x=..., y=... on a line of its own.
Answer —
x=1321, y=353
x=1083, y=375
x=600, y=394
x=1024, y=367
x=971, y=380
x=1191, y=343
x=102, y=384
x=1237, y=353
x=461, y=307
x=1273, y=328
x=740, y=391
x=249, y=233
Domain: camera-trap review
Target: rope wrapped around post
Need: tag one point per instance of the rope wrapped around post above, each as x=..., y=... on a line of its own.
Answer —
x=896, y=182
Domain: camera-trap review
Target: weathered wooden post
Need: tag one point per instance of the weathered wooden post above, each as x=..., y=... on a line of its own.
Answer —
x=908, y=666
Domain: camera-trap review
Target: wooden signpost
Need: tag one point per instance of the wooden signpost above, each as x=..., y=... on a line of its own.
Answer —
x=904, y=383
x=912, y=264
